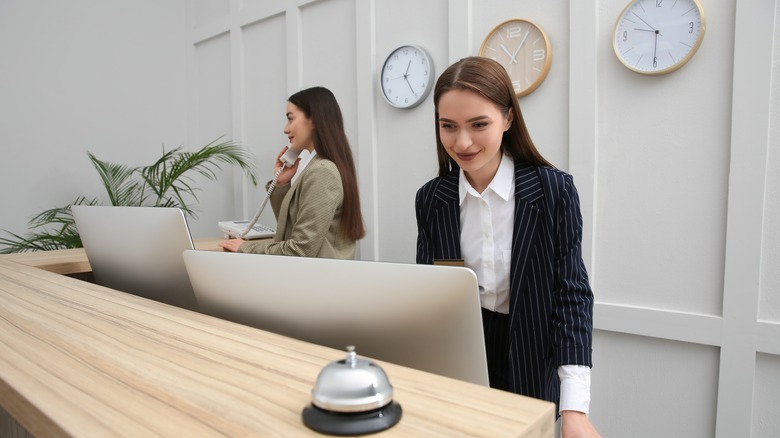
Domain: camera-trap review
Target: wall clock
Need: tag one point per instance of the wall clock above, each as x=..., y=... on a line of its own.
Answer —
x=407, y=76
x=654, y=37
x=523, y=49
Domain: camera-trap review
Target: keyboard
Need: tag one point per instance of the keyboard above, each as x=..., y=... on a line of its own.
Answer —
x=235, y=228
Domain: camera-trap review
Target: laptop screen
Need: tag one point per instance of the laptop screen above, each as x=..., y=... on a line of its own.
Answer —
x=138, y=250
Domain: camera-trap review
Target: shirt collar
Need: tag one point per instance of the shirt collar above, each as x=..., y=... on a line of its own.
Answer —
x=502, y=183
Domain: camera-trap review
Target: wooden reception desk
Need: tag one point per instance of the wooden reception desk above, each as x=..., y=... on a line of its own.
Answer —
x=78, y=359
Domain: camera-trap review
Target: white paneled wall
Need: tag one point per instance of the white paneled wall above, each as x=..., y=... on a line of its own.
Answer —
x=679, y=185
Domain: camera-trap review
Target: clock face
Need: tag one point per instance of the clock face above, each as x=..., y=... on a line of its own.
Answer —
x=407, y=77
x=523, y=49
x=658, y=36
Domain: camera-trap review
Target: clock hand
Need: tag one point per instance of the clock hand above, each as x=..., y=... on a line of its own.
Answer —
x=406, y=76
x=514, y=55
x=643, y=21
x=522, y=41
x=655, y=49
x=408, y=83
x=512, y=59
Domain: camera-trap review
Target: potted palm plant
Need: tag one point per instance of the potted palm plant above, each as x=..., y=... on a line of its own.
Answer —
x=168, y=182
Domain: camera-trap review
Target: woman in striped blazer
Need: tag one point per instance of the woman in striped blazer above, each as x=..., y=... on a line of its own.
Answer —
x=515, y=220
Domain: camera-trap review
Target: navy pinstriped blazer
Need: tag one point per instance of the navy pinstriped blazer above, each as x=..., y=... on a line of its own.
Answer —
x=550, y=302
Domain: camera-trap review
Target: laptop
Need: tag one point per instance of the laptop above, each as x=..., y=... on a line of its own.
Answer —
x=420, y=316
x=138, y=250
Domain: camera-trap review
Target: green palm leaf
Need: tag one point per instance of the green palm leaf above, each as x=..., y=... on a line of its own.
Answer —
x=57, y=231
x=118, y=181
x=166, y=183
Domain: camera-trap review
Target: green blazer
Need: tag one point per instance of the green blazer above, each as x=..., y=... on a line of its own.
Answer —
x=308, y=216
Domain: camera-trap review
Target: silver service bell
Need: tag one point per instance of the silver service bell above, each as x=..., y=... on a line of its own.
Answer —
x=352, y=396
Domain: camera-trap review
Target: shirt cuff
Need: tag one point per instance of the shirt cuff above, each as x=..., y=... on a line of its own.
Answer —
x=575, y=388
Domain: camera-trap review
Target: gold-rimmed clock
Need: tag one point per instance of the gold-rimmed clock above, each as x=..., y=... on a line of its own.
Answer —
x=654, y=37
x=523, y=48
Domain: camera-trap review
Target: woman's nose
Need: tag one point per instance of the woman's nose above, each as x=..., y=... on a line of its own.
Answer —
x=462, y=140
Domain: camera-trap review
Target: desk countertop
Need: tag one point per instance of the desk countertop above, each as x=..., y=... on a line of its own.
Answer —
x=74, y=261
x=79, y=359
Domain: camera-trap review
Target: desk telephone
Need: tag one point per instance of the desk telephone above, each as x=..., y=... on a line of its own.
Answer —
x=249, y=230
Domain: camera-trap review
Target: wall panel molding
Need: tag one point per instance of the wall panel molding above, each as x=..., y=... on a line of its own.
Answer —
x=752, y=83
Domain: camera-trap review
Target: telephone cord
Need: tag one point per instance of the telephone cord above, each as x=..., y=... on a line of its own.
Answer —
x=270, y=190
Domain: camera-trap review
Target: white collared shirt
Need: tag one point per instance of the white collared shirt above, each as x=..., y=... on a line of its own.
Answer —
x=305, y=157
x=486, y=225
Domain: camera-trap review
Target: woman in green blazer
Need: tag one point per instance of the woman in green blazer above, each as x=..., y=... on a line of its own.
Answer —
x=317, y=206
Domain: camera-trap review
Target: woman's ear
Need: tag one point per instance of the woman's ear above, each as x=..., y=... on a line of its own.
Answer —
x=508, y=121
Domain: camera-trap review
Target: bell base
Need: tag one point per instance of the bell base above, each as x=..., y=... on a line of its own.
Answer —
x=355, y=423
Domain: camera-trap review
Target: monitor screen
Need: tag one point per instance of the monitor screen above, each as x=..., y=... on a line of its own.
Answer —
x=420, y=316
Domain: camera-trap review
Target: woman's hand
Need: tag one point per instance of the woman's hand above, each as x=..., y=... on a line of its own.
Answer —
x=575, y=424
x=231, y=245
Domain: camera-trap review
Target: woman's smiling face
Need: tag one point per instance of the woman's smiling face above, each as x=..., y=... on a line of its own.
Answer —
x=471, y=129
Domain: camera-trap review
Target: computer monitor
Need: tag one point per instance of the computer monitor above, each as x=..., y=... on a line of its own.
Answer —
x=138, y=250
x=420, y=316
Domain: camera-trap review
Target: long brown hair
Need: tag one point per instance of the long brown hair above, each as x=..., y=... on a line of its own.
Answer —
x=330, y=141
x=490, y=80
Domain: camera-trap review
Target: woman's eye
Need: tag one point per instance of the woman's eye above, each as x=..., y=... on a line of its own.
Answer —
x=447, y=126
x=480, y=125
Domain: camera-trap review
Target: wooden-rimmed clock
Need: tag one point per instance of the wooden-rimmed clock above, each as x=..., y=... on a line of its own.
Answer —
x=654, y=37
x=524, y=50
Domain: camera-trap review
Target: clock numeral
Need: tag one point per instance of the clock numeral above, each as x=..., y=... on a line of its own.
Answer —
x=516, y=85
x=690, y=27
x=625, y=36
x=513, y=32
x=539, y=54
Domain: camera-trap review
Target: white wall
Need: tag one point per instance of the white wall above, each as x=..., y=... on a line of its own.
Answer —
x=102, y=76
x=677, y=174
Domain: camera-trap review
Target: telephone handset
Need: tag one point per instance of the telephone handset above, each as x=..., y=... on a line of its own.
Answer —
x=288, y=160
x=289, y=157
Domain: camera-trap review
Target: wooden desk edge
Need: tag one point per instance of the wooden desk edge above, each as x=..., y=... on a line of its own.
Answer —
x=74, y=261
